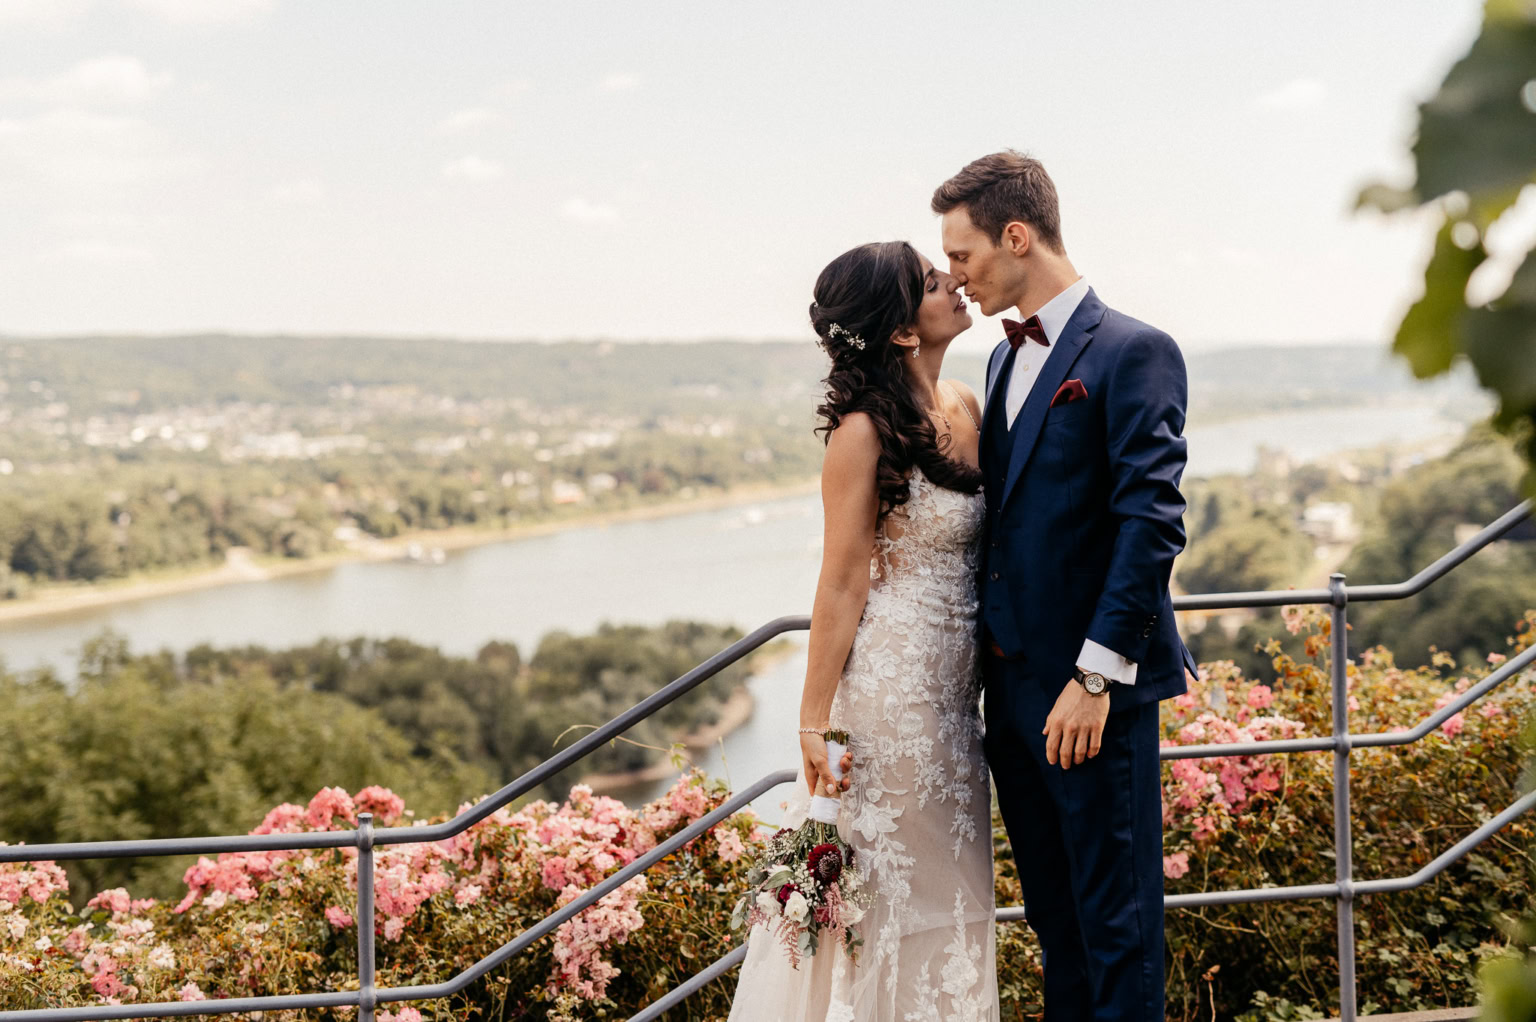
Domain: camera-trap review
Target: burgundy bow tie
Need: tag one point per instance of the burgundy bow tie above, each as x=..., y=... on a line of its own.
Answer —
x=1029, y=329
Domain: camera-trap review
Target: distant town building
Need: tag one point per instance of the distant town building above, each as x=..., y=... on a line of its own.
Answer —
x=563, y=491
x=1330, y=522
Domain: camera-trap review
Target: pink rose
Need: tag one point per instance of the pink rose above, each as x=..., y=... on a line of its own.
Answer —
x=1175, y=865
x=384, y=804
x=338, y=917
x=1260, y=696
x=731, y=847
x=114, y=900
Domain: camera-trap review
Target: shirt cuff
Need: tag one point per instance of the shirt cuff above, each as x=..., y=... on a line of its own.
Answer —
x=1097, y=659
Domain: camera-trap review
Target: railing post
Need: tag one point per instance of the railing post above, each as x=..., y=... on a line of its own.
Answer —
x=365, y=987
x=1343, y=841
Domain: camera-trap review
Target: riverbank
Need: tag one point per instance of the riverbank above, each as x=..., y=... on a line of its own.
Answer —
x=735, y=712
x=241, y=566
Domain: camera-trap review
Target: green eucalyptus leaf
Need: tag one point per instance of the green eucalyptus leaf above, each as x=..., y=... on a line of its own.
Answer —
x=1428, y=335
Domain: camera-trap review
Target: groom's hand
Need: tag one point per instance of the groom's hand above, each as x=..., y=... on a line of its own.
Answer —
x=1075, y=726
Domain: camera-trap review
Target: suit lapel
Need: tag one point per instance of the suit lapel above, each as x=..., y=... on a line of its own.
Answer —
x=994, y=372
x=991, y=412
x=1026, y=428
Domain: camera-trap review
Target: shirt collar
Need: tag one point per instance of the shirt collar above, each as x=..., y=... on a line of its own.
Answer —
x=1055, y=313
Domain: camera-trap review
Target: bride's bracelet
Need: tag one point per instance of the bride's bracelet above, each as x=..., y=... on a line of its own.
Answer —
x=814, y=731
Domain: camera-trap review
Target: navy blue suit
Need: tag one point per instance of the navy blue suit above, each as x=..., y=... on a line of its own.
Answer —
x=1084, y=518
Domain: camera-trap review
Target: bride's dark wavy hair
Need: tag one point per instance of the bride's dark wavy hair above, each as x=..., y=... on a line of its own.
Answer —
x=871, y=292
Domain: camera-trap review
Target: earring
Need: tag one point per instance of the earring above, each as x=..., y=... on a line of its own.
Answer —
x=917, y=348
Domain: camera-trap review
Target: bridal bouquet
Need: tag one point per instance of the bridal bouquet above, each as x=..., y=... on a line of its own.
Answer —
x=805, y=887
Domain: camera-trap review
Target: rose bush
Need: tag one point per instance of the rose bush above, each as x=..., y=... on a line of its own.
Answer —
x=275, y=922
x=255, y=923
x=1246, y=822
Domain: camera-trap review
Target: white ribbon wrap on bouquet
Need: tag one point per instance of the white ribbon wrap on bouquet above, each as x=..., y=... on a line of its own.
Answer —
x=824, y=809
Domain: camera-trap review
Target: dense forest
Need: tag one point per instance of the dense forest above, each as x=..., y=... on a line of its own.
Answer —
x=157, y=745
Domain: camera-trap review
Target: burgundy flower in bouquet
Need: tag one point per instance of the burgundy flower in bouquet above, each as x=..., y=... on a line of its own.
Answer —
x=805, y=888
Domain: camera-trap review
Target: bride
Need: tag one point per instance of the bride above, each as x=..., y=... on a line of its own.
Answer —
x=893, y=660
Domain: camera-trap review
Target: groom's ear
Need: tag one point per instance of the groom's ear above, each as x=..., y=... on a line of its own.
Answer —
x=1017, y=237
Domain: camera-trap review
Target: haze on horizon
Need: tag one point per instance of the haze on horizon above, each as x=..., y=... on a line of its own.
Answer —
x=601, y=170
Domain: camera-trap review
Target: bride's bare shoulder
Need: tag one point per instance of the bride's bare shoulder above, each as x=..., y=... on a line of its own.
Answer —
x=853, y=449
x=967, y=395
x=854, y=440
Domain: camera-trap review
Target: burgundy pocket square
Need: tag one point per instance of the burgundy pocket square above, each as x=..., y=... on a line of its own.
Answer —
x=1069, y=391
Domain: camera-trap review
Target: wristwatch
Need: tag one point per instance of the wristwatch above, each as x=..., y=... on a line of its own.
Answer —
x=1093, y=684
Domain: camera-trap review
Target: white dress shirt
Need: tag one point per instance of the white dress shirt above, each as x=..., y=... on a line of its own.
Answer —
x=1054, y=314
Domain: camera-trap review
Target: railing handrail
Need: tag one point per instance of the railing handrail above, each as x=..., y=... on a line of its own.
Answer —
x=365, y=837
x=1367, y=593
x=671, y=692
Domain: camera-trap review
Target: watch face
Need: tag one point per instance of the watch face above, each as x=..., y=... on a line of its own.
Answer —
x=1096, y=684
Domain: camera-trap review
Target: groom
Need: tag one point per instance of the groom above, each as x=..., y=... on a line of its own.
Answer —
x=1081, y=454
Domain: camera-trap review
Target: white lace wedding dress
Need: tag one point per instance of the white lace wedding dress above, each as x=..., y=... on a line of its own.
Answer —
x=918, y=809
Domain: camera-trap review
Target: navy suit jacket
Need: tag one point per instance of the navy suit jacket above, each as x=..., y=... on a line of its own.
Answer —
x=1084, y=520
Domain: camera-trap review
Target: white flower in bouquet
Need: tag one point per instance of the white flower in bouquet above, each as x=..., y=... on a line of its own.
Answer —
x=768, y=903
x=797, y=908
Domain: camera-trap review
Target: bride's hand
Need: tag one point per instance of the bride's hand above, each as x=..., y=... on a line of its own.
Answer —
x=818, y=773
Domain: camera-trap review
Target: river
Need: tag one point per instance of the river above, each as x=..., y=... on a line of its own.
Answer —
x=742, y=565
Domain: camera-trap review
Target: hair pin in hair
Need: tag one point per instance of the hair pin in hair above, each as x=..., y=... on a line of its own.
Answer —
x=851, y=338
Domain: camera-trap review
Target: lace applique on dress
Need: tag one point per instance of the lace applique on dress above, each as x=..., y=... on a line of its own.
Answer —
x=918, y=810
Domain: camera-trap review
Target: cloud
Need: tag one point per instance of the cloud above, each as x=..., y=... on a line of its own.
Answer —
x=618, y=82
x=81, y=147
x=98, y=253
x=1300, y=94
x=307, y=192
x=584, y=212
x=111, y=81
x=462, y=121
x=472, y=168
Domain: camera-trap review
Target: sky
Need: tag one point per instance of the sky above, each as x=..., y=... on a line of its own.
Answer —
x=685, y=169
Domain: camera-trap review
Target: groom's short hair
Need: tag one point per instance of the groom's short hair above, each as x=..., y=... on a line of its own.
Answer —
x=1001, y=188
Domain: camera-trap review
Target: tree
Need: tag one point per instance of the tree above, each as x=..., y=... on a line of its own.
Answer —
x=1474, y=155
x=1472, y=610
x=136, y=753
x=1261, y=550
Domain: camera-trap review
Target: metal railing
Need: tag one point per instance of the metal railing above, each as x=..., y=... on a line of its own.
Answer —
x=365, y=837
